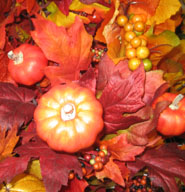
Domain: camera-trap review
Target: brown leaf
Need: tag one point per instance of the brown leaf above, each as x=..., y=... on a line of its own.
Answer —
x=8, y=140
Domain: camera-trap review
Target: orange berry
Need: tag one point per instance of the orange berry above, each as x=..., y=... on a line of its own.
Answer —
x=121, y=20
x=135, y=42
x=130, y=53
x=134, y=63
x=128, y=27
x=139, y=26
x=98, y=159
x=129, y=35
x=136, y=18
x=84, y=171
x=101, y=153
x=143, y=182
x=98, y=166
x=103, y=147
x=142, y=52
x=71, y=175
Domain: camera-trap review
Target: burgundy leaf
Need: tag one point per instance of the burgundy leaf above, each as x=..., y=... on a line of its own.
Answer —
x=55, y=167
x=138, y=133
x=164, y=164
x=122, y=96
x=88, y=80
x=5, y=7
x=154, y=79
x=12, y=166
x=64, y=6
x=15, y=105
x=88, y=1
x=29, y=133
x=107, y=67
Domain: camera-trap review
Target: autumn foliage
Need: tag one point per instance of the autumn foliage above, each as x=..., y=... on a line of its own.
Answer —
x=84, y=44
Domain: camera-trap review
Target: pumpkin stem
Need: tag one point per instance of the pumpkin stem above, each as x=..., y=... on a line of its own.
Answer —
x=175, y=104
x=17, y=58
x=68, y=112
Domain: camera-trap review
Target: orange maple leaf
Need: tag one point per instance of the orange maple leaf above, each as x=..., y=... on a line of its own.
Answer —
x=121, y=149
x=69, y=47
x=7, y=142
x=111, y=170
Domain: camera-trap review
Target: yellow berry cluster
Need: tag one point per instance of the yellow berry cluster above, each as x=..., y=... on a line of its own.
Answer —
x=135, y=42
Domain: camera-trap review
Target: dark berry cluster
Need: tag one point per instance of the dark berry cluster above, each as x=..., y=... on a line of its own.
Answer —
x=142, y=183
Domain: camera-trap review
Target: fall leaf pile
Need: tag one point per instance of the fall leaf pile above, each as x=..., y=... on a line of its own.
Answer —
x=92, y=95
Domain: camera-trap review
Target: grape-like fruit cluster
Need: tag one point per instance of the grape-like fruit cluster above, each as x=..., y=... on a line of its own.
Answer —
x=135, y=42
x=96, y=162
x=99, y=160
x=98, y=53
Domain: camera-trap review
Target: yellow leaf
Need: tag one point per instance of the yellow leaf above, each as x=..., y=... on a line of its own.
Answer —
x=23, y=183
x=76, y=5
x=8, y=140
x=59, y=18
x=34, y=168
x=164, y=11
